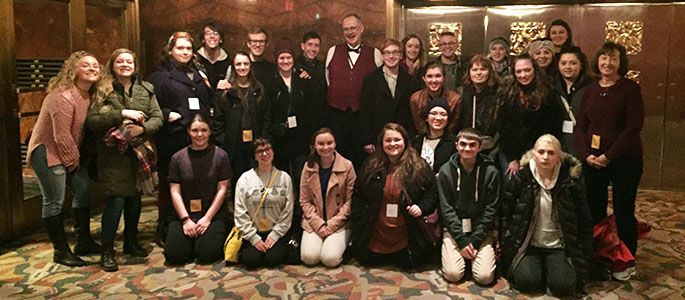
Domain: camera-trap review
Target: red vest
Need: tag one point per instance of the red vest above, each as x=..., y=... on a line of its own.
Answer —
x=345, y=83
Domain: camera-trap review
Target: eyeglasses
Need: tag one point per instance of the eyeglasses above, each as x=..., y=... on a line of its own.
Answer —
x=257, y=41
x=351, y=28
x=263, y=151
x=394, y=52
x=211, y=32
x=447, y=44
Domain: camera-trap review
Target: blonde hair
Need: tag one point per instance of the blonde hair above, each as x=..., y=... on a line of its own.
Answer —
x=108, y=76
x=66, y=78
x=550, y=139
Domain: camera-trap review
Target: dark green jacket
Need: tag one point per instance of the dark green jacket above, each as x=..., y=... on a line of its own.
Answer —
x=117, y=172
x=455, y=206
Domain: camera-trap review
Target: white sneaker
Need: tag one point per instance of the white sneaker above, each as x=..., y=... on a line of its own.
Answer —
x=625, y=274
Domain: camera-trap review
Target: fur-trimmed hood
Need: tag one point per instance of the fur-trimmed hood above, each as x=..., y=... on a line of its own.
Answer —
x=568, y=162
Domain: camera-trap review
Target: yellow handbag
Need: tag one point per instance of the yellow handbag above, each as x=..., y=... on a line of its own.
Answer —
x=234, y=241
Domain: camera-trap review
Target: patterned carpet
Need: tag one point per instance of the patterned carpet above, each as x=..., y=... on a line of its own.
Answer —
x=27, y=271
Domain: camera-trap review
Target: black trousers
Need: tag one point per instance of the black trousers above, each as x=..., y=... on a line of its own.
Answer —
x=346, y=130
x=207, y=248
x=252, y=258
x=401, y=258
x=624, y=176
x=542, y=268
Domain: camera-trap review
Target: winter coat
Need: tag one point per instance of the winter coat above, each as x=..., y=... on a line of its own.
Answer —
x=117, y=172
x=338, y=196
x=173, y=89
x=443, y=151
x=568, y=142
x=378, y=106
x=520, y=205
x=226, y=127
x=366, y=203
x=483, y=210
x=487, y=114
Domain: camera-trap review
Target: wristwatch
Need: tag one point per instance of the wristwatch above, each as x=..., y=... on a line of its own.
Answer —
x=184, y=219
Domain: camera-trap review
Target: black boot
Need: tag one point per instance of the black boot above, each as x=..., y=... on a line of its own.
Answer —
x=63, y=254
x=131, y=245
x=108, y=259
x=84, y=242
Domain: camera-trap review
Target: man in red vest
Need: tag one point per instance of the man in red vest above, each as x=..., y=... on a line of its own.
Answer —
x=346, y=66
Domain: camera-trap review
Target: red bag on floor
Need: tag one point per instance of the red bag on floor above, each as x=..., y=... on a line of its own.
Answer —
x=609, y=246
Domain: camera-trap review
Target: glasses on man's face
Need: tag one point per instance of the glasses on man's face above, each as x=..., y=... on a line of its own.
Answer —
x=263, y=150
x=394, y=52
x=256, y=42
x=211, y=32
x=351, y=28
x=451, y=44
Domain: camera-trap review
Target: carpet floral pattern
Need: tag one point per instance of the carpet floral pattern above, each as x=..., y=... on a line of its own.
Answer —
x=27, y=271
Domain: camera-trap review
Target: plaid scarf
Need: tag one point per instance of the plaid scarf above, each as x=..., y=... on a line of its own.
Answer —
x=146, y=176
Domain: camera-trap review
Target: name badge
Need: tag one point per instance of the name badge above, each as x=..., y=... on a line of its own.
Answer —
x=595, y=141
x=466, y=225
x=391, y=210
x=247, y=135
x=263, y=225
x=194, y=103
x=195, y=205
x=292, y=122
x=567, y=127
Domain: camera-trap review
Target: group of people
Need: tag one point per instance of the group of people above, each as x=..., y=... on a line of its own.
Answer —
x=371, y=150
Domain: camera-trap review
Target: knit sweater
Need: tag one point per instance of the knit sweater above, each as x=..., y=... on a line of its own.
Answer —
x=60, y=126
x=277, y=207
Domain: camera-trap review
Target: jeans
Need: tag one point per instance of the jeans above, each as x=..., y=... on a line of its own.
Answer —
x=110, y=217
x=53, y=182
x=542, y=268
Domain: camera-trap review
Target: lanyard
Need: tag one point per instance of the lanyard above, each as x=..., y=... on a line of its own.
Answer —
x=568, y=109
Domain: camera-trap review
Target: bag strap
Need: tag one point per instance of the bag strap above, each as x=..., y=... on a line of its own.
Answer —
x=264, y=195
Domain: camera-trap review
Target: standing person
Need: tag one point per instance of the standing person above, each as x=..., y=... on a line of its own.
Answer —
x=257, y=39
x=469, y=188
x=325, y=196
x=436, y=146
x=560, y=34
x=292, y=112
x=530, y=110
x=482, y=103
x=453, y=66
x=54, y=154
x=308, y=62
x=608, y=137
x=266, y=245
x=127, y=115
x=434, y=78
x=574, y=77
x=346, y=66
x=394, y=190
x=213, y=57
x=414, y=57
x=546, y=234
x=241, y=115
x=542, y=51
x=498, y=53
x=385, y=97
x=182, y=91
x=199, y=179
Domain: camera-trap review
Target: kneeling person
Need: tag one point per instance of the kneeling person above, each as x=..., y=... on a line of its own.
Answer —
x=469, y=186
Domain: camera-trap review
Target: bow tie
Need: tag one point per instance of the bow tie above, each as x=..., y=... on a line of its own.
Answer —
x=357, y=50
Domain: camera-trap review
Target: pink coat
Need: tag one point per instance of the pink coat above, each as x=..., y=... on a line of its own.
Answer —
x=338, y=196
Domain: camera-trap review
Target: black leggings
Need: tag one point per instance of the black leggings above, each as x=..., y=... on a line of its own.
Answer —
x=252, y=258
x=207, y=248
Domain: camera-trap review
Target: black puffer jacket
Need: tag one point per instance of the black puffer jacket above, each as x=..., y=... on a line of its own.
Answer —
x=519, y=209
x=366, y=203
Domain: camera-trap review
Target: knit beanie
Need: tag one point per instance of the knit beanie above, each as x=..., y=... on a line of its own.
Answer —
x=539, y=44
x=501, y=41
x=284, y=45
x=441, y=102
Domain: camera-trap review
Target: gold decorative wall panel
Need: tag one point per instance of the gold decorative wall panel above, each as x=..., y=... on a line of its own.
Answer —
x=634, y=75
x=626, y=33
x=434, y=36
x=522, y=33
